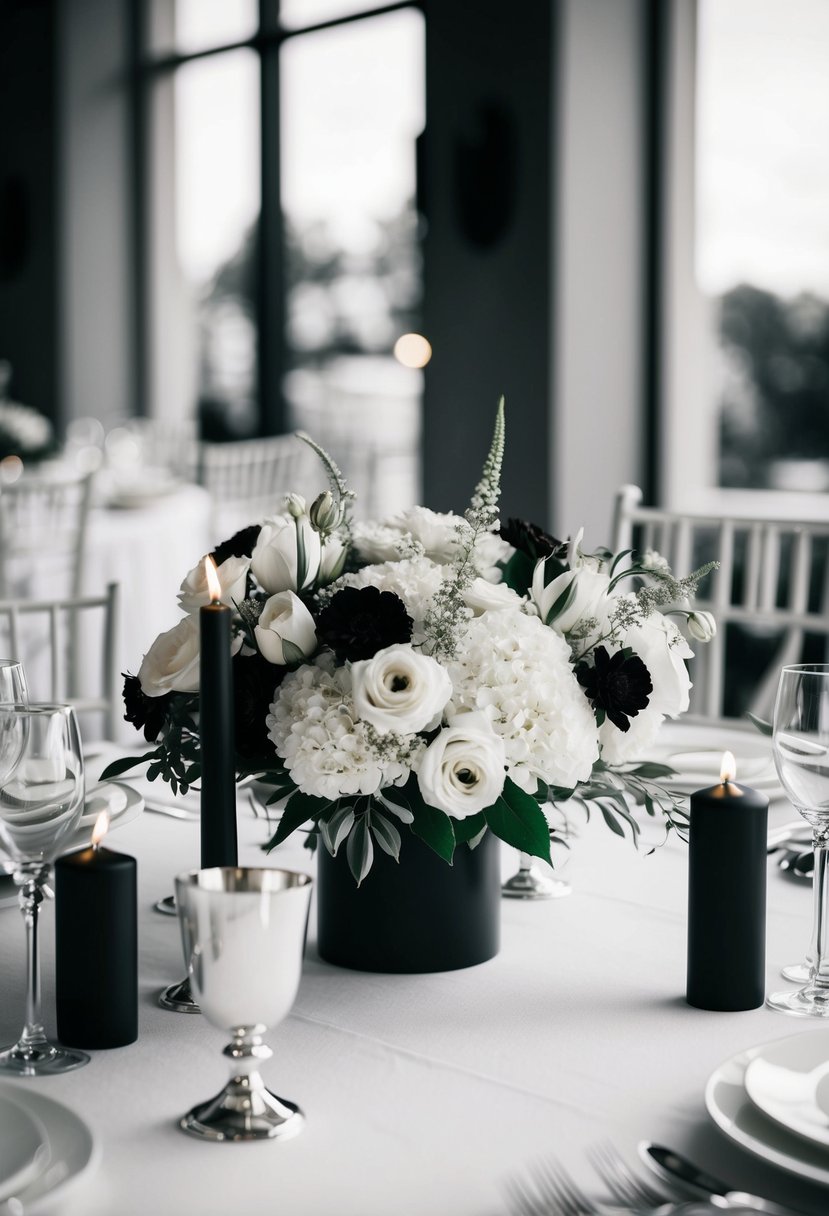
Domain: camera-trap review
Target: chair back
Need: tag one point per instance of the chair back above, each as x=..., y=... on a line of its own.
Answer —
x=246, y=480
x=770, y=596
x=43, y=528
x=67, y=647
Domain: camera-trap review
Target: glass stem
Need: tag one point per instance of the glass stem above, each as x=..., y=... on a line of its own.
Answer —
x=525, y=863
x=31, y=897
x=818, y=956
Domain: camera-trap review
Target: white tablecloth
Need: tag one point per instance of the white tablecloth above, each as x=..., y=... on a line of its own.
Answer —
x=424, y=1094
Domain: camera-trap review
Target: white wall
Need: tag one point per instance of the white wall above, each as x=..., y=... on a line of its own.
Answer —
x=94, y=208
x=598, y=263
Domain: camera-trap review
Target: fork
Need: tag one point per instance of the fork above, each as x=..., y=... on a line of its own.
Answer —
x=553, y=1192
x=621, y=1182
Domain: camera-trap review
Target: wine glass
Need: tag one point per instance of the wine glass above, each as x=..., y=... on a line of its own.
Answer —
x=800, y=739
x=41, y=802
x=243, y=932
x=13, y=692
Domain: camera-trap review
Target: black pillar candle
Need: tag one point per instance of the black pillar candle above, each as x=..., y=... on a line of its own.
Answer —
x=727, y=896
x=96, y=949
x=216, y=734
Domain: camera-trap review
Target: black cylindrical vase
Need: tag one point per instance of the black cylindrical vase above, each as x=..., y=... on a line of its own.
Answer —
x=418, y=915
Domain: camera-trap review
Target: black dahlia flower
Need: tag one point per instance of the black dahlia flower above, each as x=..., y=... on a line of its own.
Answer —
x=241, y=544
x=255, y=682
x=528, y=538
x=359, y=621
x=617, y=685
x=144, y=711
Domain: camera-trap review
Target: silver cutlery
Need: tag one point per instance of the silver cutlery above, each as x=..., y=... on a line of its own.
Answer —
x=551, y=1191
x=171, y=809
x=678, y=1171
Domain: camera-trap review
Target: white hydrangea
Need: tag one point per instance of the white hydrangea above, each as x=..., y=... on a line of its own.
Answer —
x=436, y=534
x=518, y=671
x=621, y=747
x=327, y=750
x=415, y=580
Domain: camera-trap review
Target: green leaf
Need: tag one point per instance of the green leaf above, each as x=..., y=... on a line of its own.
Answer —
x=394, y=799
x=517, y=819
x=117, y=767
x=384, y=832
x=293, y=655
x=611, y=821
x=557, y=793
x=652, y=770
x=517, y=573
x=562, y=603
x=466, y=829
x=298, y=810
x=433, y=827
x=618, y=558
x=301, y=558
x=360, y=850
x=335, y=828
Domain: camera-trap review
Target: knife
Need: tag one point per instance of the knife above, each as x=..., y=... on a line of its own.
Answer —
x=675, y=1169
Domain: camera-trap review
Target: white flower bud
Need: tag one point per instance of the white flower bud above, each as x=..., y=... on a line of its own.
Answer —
x=702, y=626
x=295, y=505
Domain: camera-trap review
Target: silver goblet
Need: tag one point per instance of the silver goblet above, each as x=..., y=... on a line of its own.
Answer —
x=243, y=932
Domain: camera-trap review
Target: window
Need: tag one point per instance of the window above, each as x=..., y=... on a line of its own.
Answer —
x=280, y=229
x=750, y=330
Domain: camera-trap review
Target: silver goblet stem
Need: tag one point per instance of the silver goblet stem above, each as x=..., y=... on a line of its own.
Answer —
x=178, y=997
x=245, y=1109
x=531, y=883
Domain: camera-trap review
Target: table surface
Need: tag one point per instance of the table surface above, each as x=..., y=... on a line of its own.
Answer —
x=425, y=1094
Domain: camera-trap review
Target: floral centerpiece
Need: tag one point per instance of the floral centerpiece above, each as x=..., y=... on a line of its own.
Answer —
x=433, y=674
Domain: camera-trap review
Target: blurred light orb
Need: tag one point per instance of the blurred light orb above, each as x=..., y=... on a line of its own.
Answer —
x=412, y=350
x=11, y=469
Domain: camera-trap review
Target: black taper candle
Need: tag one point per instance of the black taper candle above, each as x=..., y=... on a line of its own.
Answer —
x=216, y=738
x=96, y=949
x=727, y=897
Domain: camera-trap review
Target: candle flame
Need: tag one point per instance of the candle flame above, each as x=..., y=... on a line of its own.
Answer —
x=728, y=768
x=101, y=828
x=214, y=587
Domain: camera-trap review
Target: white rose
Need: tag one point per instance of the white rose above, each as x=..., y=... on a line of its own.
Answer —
x=483, y=596
x=490, y=554
x=284, y=544
x=662, y=648
x=232, y=574
x=437, y=532
x=377, y=543
x=172, y=662
x=400, y=690
x=462, y=770
x=702, y=626
x=285, y=618
x=589, y=591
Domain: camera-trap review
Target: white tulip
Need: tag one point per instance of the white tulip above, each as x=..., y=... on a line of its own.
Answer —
x=286, y=556
x=400, y=690
x=589, y=592
x=462, y=770
x=285, y=619
x=232, y=573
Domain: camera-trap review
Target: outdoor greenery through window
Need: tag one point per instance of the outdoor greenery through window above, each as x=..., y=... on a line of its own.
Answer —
x=763, y=235
x=350, y=108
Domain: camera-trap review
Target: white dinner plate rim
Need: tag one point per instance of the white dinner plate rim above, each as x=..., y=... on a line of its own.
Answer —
x=25, y=1172
x=47, y=1110
x=773, y=1143
x=813, y=1134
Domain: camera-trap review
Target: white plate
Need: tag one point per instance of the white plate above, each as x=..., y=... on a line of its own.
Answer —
x=735, y=1114
x=126, y=803
x=24, y=1148
x=788, y=1080
x=73, y=1147
x=696, y=752
x=130, y=808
